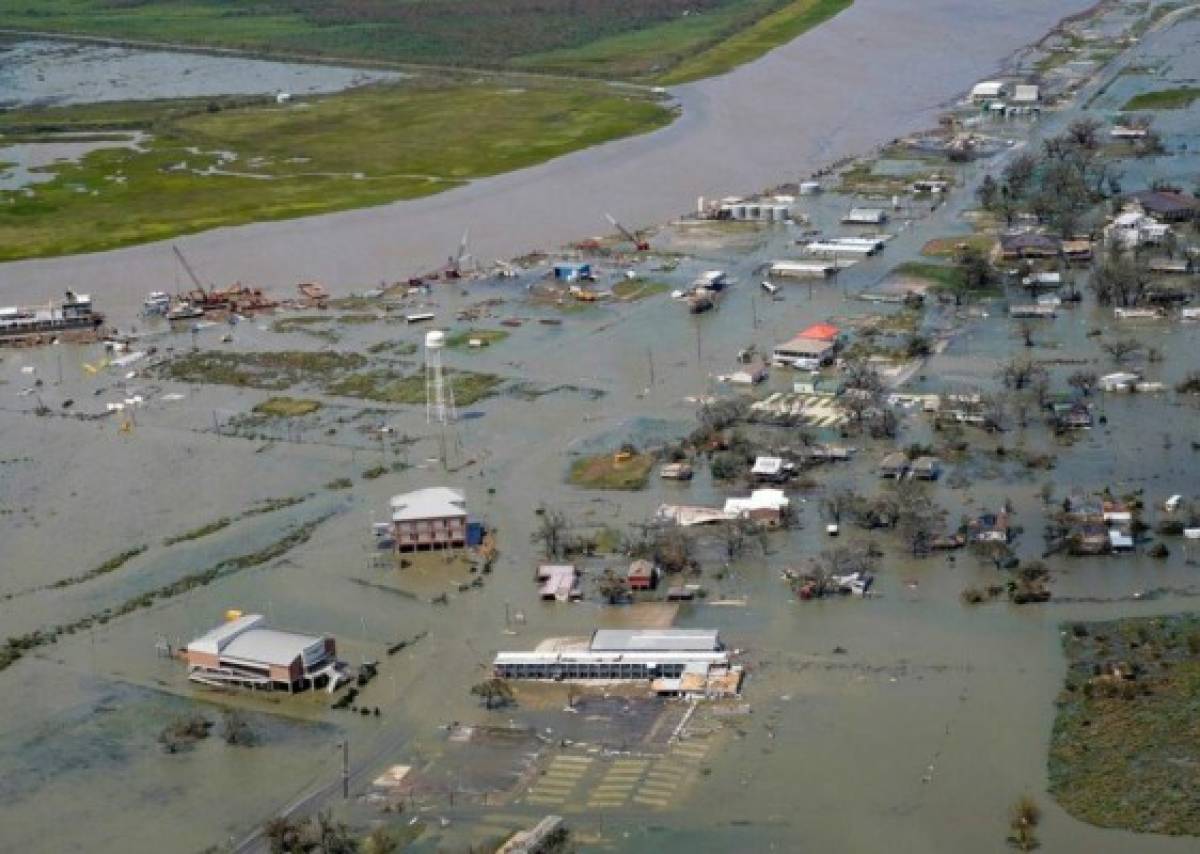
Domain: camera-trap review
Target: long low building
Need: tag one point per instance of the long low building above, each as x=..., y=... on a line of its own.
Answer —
x=619, y=655
x=244, y=652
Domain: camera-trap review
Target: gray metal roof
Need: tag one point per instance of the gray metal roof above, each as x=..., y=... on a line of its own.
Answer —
x=655, y=640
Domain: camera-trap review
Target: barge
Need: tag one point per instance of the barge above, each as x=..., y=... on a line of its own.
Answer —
x=37, y=324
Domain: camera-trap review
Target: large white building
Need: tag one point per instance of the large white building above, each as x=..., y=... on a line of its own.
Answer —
x=245, y=652
x=618, y=654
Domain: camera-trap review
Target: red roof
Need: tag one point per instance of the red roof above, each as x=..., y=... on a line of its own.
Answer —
x=821, y=332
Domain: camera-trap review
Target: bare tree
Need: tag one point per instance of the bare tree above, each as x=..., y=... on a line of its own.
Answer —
x=919, y=519
x=1084, y=133
x=612, y=587
x=1020, y=373
x=839, y=500
x=1121, y=278
x=1084, y=382
x=1121, y=350
x=551, y=532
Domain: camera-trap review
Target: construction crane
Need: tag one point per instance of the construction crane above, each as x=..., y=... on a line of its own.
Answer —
x=638, y=243
x=454, y=265
x=188, y=268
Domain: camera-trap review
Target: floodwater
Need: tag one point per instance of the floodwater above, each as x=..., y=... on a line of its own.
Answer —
x=877, y=70
x=917, y=737
x=21, y=164
x=54, y=73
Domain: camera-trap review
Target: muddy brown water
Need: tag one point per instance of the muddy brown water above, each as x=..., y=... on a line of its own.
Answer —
x=917, y=737
x=879, y=69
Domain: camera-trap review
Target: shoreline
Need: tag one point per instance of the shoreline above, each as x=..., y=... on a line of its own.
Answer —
x=365, y=251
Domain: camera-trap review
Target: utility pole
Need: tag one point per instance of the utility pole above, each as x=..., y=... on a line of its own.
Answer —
x=346, y=768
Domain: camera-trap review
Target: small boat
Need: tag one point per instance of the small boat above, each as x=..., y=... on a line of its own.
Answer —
x=184, y=311
x=158, y=302
x=419, y=318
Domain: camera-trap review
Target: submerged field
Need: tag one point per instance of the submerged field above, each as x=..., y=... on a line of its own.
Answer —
x=208, y=163
x=582, y=36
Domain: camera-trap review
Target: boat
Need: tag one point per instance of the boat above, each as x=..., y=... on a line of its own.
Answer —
x=73, y=314
x=158, y=302
x=184, y=310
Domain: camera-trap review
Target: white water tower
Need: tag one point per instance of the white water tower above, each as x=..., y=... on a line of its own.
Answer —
x=439, y=394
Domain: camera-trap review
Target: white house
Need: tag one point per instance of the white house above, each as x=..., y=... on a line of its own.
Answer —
x=1133, y=228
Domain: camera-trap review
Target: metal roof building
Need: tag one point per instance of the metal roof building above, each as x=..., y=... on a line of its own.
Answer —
x=655, y=640
x=245, y=652
x=619, y=655
x=436, y=502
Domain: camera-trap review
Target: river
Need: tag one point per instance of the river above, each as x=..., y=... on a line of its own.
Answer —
x=879, y=69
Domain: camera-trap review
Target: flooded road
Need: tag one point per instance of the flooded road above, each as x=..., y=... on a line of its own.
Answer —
x=877, y=70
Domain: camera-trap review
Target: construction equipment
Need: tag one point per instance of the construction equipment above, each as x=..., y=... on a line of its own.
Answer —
x=455, y=265
x=639, y=243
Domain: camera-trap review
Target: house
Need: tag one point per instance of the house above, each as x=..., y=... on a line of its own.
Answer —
x=752, y=374
x=1032, y=311
x=676, y=471
x=1116, y=512
x=1048, y=279
x=1129, y=132
x=802, y=270
x=770, y=470
x=1077, y=251
x=988, y=90
x=1118, y=381
x=865, y=216
x=560, y=583
x=926, y=468
x=429, y=519
x=641, y=575
x=818, y=385
x=1072, y=416
x=244, y=652
x=810, y=348
x=572, y=271
x=688, y=515
x=894, y=465
x=764, y=506
x=804, y=353
x=1133, y=228
x=712, y=280
x=1168, y=205
x=1026, y=95
x=989, y=528
x=1016, y=246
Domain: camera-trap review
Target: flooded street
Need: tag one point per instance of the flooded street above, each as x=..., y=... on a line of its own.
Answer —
x=877, y=70
x=906, y=720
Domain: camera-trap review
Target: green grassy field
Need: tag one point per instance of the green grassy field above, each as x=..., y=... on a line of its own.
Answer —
x=1164, y=99
x=360, y=148
x=765, y=34
x=639, y=39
